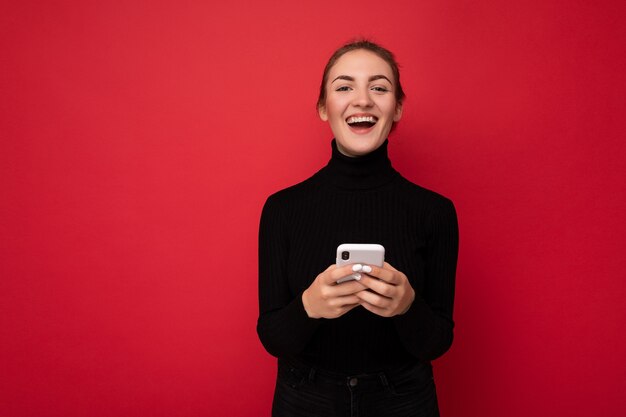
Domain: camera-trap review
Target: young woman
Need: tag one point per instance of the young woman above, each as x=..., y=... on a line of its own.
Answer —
x=362, y=347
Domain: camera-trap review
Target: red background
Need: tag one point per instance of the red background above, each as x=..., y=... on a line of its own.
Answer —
x=139, y=141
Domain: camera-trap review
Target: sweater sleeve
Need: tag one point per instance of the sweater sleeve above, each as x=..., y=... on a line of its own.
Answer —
x=426, y=328
x=283, y=326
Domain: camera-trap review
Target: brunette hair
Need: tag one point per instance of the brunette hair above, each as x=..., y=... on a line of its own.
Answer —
x=383, y=53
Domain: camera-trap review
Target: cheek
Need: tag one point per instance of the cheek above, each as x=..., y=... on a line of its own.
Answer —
x=334, y=107
x=389, y=108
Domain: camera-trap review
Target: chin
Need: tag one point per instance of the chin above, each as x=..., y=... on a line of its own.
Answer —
x=359, y=146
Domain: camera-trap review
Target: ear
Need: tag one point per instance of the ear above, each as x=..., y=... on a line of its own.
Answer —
x=398, y=113
x=321, y=110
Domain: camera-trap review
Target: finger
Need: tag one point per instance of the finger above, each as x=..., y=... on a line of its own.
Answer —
x=346, y=288
x=388, y=266
x=378, y=286
x=374, y=299
x=348, y=300
x=356, y=276
x=340, y=272
x=326, y=276
x=347, y=308
x=376, y=310
x=388, y=275
x=347, y=304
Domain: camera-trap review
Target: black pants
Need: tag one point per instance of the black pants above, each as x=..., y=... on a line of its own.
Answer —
x=302, y=391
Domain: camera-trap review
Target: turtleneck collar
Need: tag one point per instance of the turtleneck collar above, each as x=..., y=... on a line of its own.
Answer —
x=363, y=172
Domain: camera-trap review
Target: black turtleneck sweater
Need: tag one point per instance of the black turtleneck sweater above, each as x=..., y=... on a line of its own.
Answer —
x=356, y=200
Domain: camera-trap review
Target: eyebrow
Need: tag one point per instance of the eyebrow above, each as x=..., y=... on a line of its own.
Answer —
x=372, y=78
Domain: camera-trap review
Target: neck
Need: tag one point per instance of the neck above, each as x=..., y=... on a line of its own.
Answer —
x=360, y=172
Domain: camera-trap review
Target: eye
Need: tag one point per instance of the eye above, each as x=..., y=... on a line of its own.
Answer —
x=343, y=88
x=380, y=89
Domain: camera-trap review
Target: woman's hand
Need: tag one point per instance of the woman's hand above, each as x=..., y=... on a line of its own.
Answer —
x=390, y=295
x=325, y=299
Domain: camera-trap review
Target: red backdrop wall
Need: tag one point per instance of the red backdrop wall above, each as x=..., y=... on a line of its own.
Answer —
x=140, y=139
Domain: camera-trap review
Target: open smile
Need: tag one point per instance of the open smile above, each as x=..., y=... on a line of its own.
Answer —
x=361, y=123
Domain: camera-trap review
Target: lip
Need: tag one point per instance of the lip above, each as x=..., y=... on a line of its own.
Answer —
x=361, y=130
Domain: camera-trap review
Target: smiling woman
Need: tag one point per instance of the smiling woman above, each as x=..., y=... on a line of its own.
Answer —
x=362, y=347
x=360, y=105
x=361, y=97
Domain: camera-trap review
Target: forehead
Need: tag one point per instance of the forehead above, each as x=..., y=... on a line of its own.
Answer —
x=360, y=63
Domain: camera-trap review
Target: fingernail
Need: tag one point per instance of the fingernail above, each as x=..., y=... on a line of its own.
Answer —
x=357, y=276
x=357, y=267
x=366, y=268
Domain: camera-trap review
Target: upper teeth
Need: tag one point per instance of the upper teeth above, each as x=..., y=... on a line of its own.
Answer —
x=359, y=119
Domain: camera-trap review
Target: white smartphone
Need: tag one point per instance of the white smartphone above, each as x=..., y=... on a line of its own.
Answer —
x=359, y=253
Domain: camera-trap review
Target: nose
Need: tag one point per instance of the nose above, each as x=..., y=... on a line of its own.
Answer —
x=363, y=98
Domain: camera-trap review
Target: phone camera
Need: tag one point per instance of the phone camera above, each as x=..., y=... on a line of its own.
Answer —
x=345, y=255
